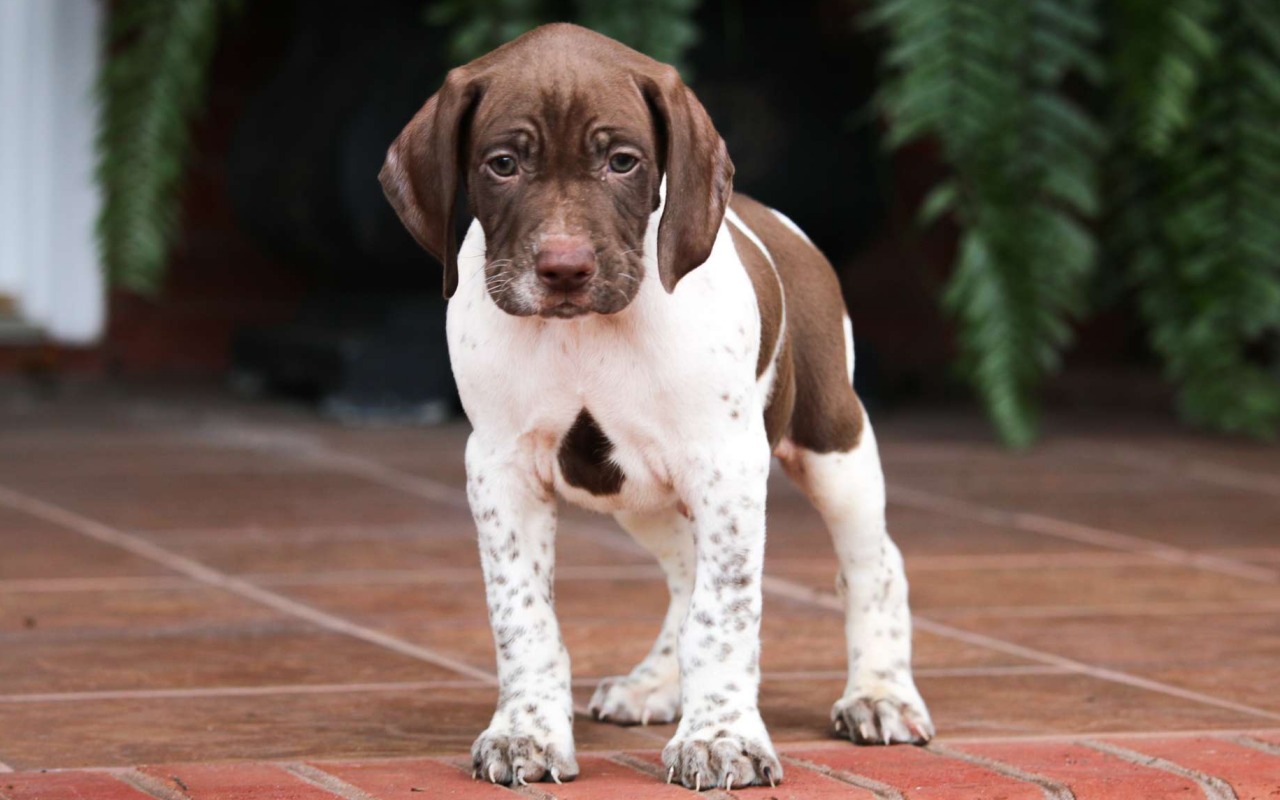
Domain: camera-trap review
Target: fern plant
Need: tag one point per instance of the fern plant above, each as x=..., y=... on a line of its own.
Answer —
x=1193, y=190
x=1198, y=225
x=986, y=81
x=662, y=29
x=149, y=89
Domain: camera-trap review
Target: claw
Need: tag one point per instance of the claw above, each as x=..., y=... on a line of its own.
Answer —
x=475, y=774
x=555, y=775
x=644, y=717
x=697, y=781
x=839, y=724
x=671, y=773
x=887, y=737
x=768, y=773
x=728, y=782
x=520, y=777
x=493, y=773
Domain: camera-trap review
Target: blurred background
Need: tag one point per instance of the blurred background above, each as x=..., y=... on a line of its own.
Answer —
x=1064, y=203
x=231, y=529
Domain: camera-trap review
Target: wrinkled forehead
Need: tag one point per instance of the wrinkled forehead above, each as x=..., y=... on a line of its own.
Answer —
x=566, y=108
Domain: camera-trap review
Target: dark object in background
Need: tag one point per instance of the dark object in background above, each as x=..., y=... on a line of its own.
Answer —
x=363, y=359
x=369, y=343
x=302, y=174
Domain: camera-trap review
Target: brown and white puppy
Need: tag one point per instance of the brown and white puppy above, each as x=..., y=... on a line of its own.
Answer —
x=627, y=333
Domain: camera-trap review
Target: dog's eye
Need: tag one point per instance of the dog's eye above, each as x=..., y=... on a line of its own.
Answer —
x=503, y=166
x=623, y=163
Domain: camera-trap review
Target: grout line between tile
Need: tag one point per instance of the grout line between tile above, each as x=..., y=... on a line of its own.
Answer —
x=1257, y=744
x=1124, y=610
x=1214, y=788
x=925, y=672
x=237, y=691
x=882, y=791
x=1053, y=790
x=1121, y=735
x=300, y=447
x=637, y=764
x=805, y=594
x=323, y=780
x=604, y=572
x=205, y=574
x=1088, y=559
x=150, y=784
x=1198, y=469
x=200, y=692
x=141, y=583
x=1086, y=534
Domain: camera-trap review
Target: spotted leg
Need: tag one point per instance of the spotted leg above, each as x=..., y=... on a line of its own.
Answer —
x=880, y=704
x=651, y=691
x=722, y=740
x=530, y=737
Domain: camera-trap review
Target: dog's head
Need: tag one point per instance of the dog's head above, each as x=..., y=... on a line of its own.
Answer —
x=561, y=139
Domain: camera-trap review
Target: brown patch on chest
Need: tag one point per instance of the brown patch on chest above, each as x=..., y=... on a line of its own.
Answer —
x=584, y=458
x=827, y=415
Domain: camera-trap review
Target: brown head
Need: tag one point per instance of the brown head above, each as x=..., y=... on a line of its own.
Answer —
x=560, y=140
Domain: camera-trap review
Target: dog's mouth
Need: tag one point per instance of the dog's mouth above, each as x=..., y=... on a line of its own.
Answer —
x=561, y=307
x=518, y=292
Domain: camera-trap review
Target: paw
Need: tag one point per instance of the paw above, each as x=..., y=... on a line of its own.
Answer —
x=721, y=758
x=624, y=700
x=514, y=760
x=889, y=714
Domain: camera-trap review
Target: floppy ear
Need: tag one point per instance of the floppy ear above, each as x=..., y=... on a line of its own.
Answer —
x=420, y=175
x=699, y=176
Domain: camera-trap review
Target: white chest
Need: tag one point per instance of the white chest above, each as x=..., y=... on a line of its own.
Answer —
x=670, y=371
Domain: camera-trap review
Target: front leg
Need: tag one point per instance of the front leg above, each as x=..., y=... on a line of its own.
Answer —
x=530, y=737
x=722, y=740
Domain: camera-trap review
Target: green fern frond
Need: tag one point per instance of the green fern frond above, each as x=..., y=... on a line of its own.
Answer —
x=1206, y=244
x=478, y=26
x=1165, y=47
x=149, y=89
x=662, y=29
x=985, y=80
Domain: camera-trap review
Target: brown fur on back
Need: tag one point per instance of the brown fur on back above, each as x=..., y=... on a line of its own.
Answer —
x=825, y=413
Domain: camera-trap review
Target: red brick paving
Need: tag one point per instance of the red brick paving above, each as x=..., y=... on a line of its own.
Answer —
x=1056, y=589
x=922, y=773
x=1088, y=772
x=1251, y=773
x=242, y=781
x=66, y=786
x=826, y=772
x=413, y=779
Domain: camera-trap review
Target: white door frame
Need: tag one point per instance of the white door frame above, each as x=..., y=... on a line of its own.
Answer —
x=50, y=51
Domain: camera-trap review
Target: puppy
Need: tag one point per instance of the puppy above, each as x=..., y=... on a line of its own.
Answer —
x=630, y=335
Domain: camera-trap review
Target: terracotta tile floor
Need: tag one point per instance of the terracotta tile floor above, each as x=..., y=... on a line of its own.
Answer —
x=203, y=598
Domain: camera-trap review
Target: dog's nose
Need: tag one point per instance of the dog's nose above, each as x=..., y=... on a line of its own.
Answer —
x=565, y=263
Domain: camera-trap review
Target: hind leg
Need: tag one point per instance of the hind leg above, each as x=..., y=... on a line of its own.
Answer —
x=880, y=704
x=651, y=691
